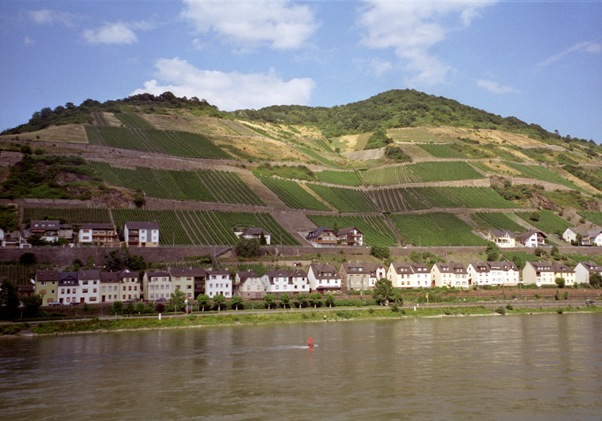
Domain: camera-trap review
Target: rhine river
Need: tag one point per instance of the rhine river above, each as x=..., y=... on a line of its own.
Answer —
x=535, y=367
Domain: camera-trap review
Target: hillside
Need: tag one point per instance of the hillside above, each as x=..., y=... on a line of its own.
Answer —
x=407, y=168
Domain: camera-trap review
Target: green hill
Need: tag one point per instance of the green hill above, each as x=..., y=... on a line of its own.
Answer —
x=397, y=165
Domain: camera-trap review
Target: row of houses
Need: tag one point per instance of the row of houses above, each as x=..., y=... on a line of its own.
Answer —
x=96, y=286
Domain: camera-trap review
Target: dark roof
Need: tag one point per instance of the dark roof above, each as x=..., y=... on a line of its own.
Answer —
x=97, y=226
x=136, y=225
x=88, y=275
x=47, y=275
x=347, y=230
x=195, y=272
x=319, y=231
x=49, y=225
x=255, y=231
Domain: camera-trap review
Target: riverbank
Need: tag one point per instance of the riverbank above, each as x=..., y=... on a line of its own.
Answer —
x=335, y=314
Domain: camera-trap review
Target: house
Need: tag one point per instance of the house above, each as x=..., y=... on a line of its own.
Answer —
x=254, y=233
x=46, y=230
x=14, y=240
x=451, y=275
x=249, y=285
x=493, y=273
x=156, y=286
x=361, y=276
x=290, y=281
x=323, y=236
x=68, y=290
x=532, y=238
x=184, y=280
x=583, y=236
x=141, y=234
x=350, y=236
x=584, y=270
x=218, y=282
x=323, y=277
x=47, y=284
x=544, y=273
x=502, y=238
x=89, y=286
x=99, y=233
x=409, y=275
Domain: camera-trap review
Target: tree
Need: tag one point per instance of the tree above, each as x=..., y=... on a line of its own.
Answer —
x=383, y=291
x=269, y=300
x=117, y=307
x=121, y=259
x=560, y=282
x=492, y=251
x=247, y=248
x=177, y=299
x=203, y=300
x=301, y=299
x=9, y=300
x=315, y=298
x=28, y=259
x=236, y=302
x=329, y=299
x=32, y=304
x=285, y=299
x=595, y=279
x=218, y=300
x=380, y=252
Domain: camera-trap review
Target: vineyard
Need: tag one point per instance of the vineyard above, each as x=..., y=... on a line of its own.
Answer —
x=344, y=200
x=68, y=215
x=496, y=221
x=435, y=229
x=595, y=217
x=186, y=227
x=344, y=178
x=292, y=194
x=133, y=121
x=420, y=198
x=538, y=172
x=205, y=185
x=375, y=229
x=420, y=173
x=546, y=221
x=166, y=142
x=441, y=150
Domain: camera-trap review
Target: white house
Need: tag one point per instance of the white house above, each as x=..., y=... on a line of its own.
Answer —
x=409, y=275
x=584, y=270
x=532, y=238
x=89, y=286
x=68, y=288
x=493, y=273
x=254, y=233
x=218, y=282
x=156, y=286
x=98, y=233
x=451, y=275
x=47, y=230
x=141, y=234
x=502, y=238
x=583, y=236
x=291, y=281
x=323, y=277
x=249, y=285
x=545, y=273
x=361, y=276
x=350, y=236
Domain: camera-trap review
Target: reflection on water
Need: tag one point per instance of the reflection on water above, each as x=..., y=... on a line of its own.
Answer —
x=525, y=367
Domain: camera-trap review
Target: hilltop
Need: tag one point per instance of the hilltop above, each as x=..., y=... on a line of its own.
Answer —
x=407, y=168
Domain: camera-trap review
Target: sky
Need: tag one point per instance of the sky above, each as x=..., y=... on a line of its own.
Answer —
x=540, y=61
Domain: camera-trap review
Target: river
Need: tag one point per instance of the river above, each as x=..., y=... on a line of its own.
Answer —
x=536, y=367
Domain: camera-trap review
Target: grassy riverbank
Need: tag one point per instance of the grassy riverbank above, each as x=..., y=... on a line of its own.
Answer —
x=270, y=316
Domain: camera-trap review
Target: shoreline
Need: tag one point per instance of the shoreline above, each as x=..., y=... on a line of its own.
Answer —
x=325, y=315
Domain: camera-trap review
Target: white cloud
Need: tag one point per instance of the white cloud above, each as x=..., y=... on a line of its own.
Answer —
x=412, y=28
x=228, y=91
x=249, y=24
x=28, y=41
x=495, y=87
x=375, y=67
x=49, y=17
x=586, y=47
x=111, y=33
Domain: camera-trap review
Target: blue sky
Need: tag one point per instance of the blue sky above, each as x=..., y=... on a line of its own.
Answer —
x=540, y=61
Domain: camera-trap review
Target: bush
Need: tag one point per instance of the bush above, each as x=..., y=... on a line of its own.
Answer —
x=501, y=310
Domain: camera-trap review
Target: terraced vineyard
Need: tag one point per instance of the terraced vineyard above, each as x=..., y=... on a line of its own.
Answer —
x=441, y=150
x=420, y=173
x=496, y=221
x=168, y=142
x=419, y=198
x=344, y=200
x=292, y=194
x=375, y=229
x=206, y=185
x=538, y=172
x=595, y=217
x=171, y=230
x=133, y=120
x=69, y=215
x=344, y=178
x=547, y=221
x=435, y=229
